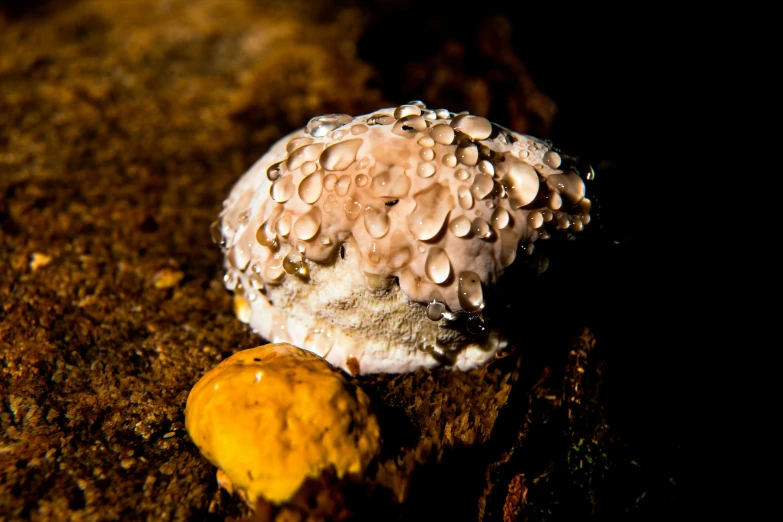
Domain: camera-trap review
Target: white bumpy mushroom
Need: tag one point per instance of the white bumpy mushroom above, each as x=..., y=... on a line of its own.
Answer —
x=369, y=240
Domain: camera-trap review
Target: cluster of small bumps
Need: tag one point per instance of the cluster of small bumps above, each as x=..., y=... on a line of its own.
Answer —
x=439, y=202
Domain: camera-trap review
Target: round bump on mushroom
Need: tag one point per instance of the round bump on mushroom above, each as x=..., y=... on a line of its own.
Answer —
x=334, y=214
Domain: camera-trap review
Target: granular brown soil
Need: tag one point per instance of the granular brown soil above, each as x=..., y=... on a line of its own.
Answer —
x=122, y=128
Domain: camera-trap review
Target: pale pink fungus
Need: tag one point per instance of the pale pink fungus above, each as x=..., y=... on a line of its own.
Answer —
x=370, y=240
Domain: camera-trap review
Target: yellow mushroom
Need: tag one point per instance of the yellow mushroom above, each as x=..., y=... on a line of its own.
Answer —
x=272, y=416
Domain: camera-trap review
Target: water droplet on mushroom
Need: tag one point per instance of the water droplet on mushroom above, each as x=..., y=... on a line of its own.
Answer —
x=306, y=227
x=273, y=270
x=319, y=341
x=450, y=160
x=443, y=114
x=554, y=201
x=475, y=325
x=320, y=126
x=523, y=154
x=266, y=235
x=329, y=182
x=256, y=283
x=374, y=256
x=274, y=171
x=427, y=154
x=376, y=222
x=343, y=185
x=461, y=174
x=283, y=225
x=308, y=167
x=521, y=183
x=435, y=310
x=489, y=204
x=426, y=141
x=552, y=159
x=476, y=127
x=302, y=154
x=570, y=185
x=460, y=226
x=406, y=110
x=485, y=167
x=467, y=154
x=482, y=186
x=500, y=218
x=437, y=266
x=359, y=128
x=432, y=206
x=442, y=133
x=311, y=187
x=425, y=342
x=464, y=197
x=338, y=134
x=380, y=119
x=535, y=219
x=408, y=126
x=481, y=228
x=361, y=180
x=341, y=155
x=295, y=143
x=282, y=189
x=352, y=209
x=485, y=153
x=425, y=169
x=509, y=241
x=216, y=233
x=292, y=262
x=469, y=293
x=239, y=256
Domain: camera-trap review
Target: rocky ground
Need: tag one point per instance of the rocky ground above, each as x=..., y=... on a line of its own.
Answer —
x=122, y=128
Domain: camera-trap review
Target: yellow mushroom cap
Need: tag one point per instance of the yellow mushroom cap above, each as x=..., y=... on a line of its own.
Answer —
x=272, y=416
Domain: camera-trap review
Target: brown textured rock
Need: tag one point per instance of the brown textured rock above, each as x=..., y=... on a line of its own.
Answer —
x=122, y=127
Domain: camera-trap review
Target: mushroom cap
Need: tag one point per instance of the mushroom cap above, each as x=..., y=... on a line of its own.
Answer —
x=272, y=416
x=363, y=239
